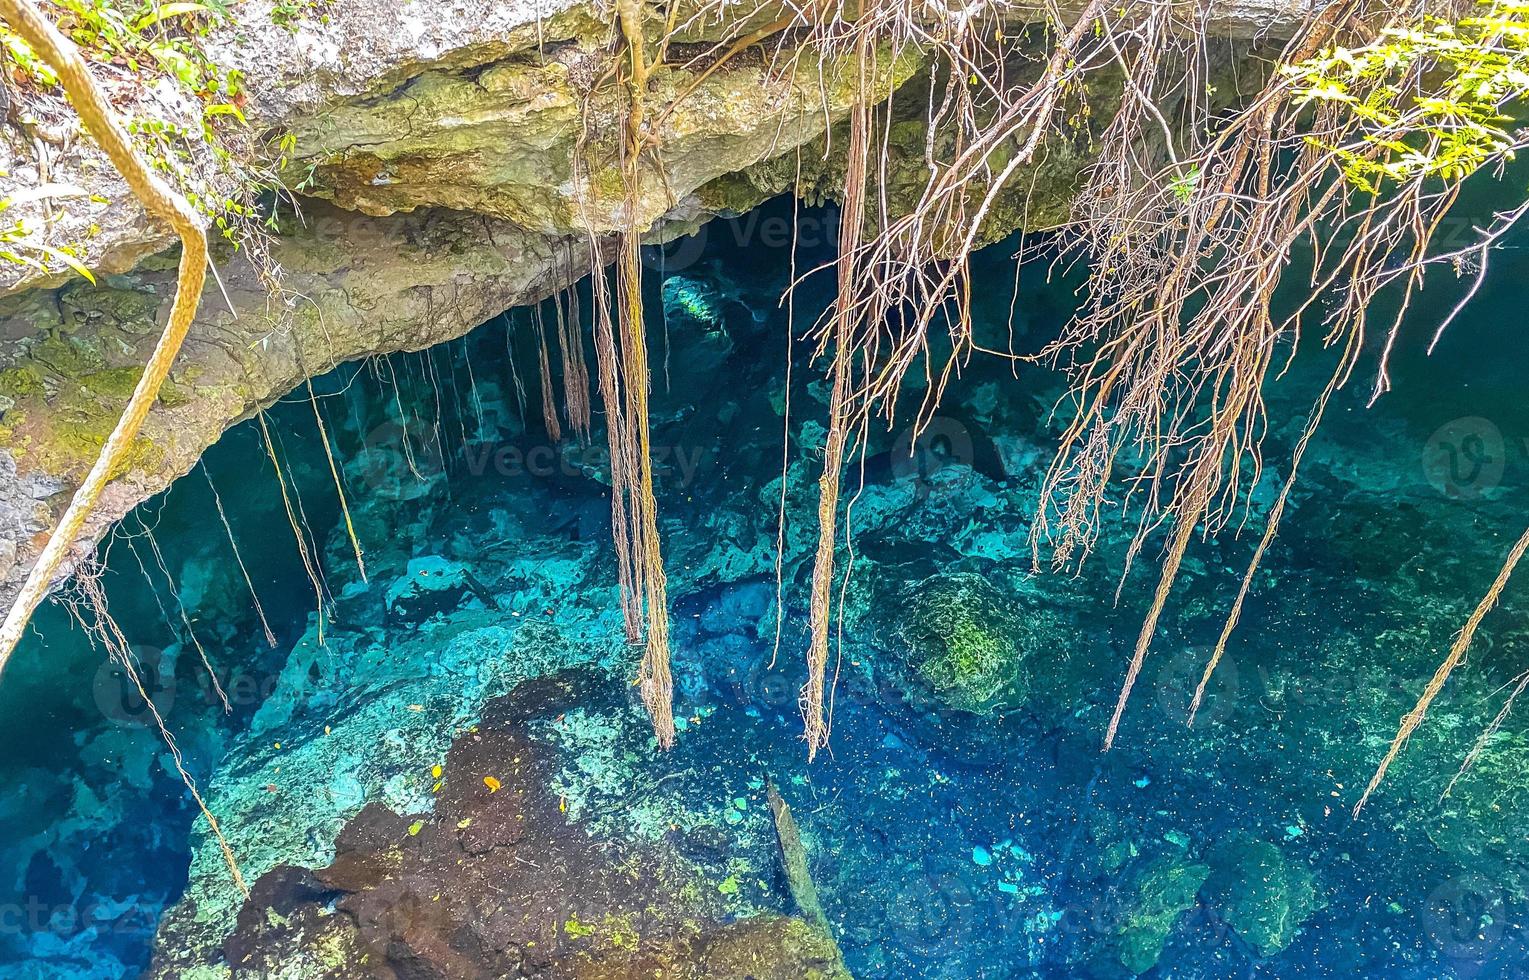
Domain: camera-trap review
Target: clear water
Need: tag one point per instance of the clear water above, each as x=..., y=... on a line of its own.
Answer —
x=945, y=842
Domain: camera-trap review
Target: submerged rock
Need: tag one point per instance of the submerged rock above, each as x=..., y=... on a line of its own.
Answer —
x=958, y=640
x=1261, y=894
x=434, y=585
x=1153, y=898
x=498, y=881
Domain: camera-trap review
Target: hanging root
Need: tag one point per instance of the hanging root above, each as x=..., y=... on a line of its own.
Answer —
x=544, y=363
x=570, y=341
x=217, y=503
x=1271, y=528
x=645, y=566
x=656, y=684
x=88, y=607
x=339, y=485
x=1412, y=719
x=310, y=565
x=1485, y=738
x=162, y=202
x=180, y=607
x=844, y=314
x=622, y=461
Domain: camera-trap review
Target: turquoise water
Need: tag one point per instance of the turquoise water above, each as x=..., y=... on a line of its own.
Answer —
x=964, y=823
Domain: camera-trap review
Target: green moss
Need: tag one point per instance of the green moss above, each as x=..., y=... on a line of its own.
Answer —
x=68, y=357
x=21, y=382
x=113, y=383
x=67, y=442
x=1264, y=897
x=1160, y=891
x=172, y=395
x=962, y=643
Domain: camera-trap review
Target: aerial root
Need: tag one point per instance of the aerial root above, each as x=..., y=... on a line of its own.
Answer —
x=339, y=485
x=304, y=552
x=1412, y=719
x=87, y=605
x=544, y=363
x=217, y=503
x=655, y=681
x=160, y=201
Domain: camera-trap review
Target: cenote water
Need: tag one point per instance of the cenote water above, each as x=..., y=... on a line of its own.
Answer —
x=448, y=773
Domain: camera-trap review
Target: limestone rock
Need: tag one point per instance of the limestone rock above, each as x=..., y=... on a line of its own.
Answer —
x=1263, y=895
x=1155, y=894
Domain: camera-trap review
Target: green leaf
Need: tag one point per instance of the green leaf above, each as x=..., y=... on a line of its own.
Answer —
x=167, y=10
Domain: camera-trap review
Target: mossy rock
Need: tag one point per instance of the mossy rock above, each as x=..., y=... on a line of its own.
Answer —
x=1261, y=894
x=92, y=306
x=765, y=947
x=1156, y=894
x=960, y=641
x=1481, y=823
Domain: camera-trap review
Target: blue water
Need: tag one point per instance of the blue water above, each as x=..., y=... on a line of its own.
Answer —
x=944, y=842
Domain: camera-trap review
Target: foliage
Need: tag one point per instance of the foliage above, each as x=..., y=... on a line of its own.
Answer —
x=148, y=39
x=153, y=40
x=18, y=241
x=1447, y=130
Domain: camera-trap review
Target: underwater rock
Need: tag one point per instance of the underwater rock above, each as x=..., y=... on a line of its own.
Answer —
x=1261, y=894
x=497, y=882
x=1481, y=822
x=360, y=718
x=433, y=585
x=703, y=301
x=958, y=639
x=1151, y=900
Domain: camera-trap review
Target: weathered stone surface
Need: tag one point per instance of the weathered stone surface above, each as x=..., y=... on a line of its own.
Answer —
x=504, y=139
x=460, y=123
x=496, y=882
x=301, y=62
x=365, y=285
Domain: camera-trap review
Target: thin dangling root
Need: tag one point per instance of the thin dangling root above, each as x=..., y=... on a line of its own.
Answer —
x=164, y=203
x=180, y=607
x=619, y=436
x=570, y=344
x=1271, y=528
x=303, y=551
x=217, y=503
x=1170, y=570
x=549, y=403
x=1485, y=738
x=339, y=486
x=653, y=676
x=814, y=719
x=1412, y=719
x=101, y=626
